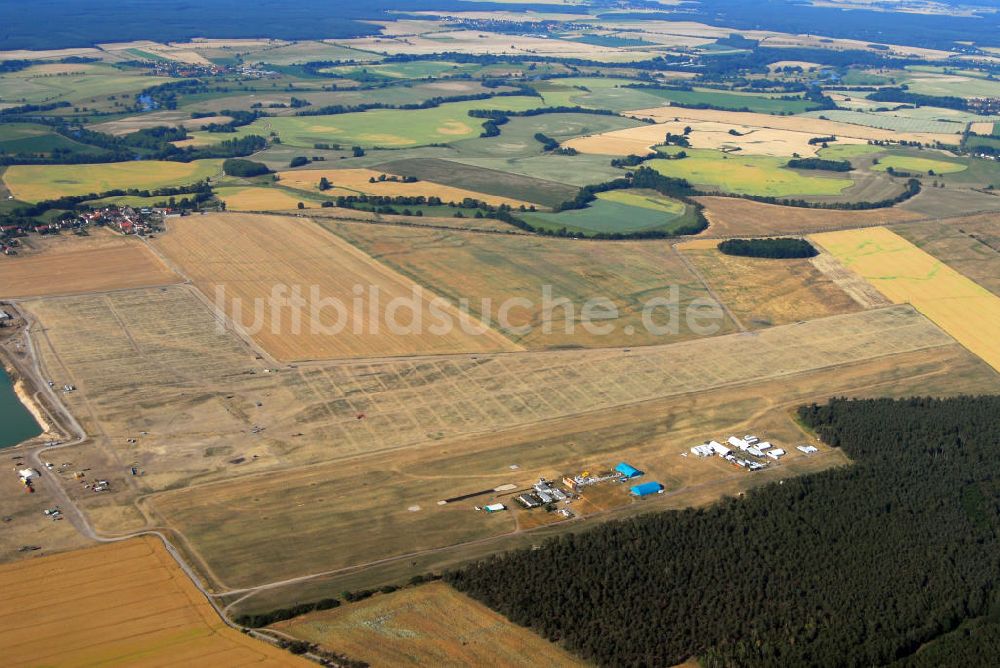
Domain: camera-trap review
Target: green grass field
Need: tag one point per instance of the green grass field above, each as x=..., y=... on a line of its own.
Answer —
x=40, y=83
x=611, y=214
x=746, y=174
x=735, y=101
x=419, y=69
x=644, y=199
x=33, y=183
x=905, y=163
x=949, y=84
x=837, y=151
x=381, y=127
x=36, y=138
x=890, y=121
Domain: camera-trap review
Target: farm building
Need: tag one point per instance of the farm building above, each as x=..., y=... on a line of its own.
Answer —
x=4, y=315
x=494, y=508
x=529, y=501
x=738, y=443
x=647, y=488
x=807, y=449
x=775, y=453
x=628, y=471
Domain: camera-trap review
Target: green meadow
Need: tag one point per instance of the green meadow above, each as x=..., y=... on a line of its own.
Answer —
x=389, y=128
x=746, y=174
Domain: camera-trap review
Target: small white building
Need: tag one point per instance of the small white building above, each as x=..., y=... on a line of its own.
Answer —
x=27, y=474
x=751, y=439
x=755, y=452
x=763, y=446
x=776, y=453
x=4, y=315
x=807, y=449
x=738, y=443
x=495, y=508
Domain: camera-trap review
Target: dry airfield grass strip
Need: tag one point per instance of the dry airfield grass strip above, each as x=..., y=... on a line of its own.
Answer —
x=114, y=265
x=430, y=625
x=906, y=274
x=126, y=603
x=357, y=181
x=248, y=255
x=816, y=126
x=735, y=217
x=764, y=292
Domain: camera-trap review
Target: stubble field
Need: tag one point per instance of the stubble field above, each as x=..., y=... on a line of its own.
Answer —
x=358, y=181
x=428, y=625
x=458, y=266
x=237, y=253
x=731, y=216
x=122, y=604
x=763, y=292
x=102, y=262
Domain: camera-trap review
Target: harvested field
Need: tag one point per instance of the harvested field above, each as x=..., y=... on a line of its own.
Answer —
x=906, y=274
x=252, y=198
x=238, y=253
x=753, y=140
x=108, y=263
x=763, y=293
x=419, y=445
x=970, y=245
x=33, y=183
x=860, y=290
x=127, y=603
x=477, y=267
x=490, y=181
x=430, y=625
x=733, y=217
x=358, y=181
x=814, y=126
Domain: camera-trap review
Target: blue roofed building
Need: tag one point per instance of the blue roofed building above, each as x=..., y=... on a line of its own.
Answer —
x=647, y=488
x=628, y=471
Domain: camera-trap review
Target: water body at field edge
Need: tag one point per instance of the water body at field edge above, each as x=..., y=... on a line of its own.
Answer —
x=16, y=423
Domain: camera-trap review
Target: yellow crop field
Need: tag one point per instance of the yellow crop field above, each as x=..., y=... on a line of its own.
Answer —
x=431, y=625
x=253, y=198
x=358, y=181
x=34, y=183
x=815, y=127
x=123, y=604
x=906, y=274
x=247, y=257
x=752, y=139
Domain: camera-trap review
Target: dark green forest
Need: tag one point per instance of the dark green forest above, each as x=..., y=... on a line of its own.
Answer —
x=774, y=249
x=891, y=559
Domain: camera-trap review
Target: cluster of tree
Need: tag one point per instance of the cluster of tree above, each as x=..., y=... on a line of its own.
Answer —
x=656, y=64
x=820, y=163
x=244, y=168
x=901, y=94
x=32, y=109
x=298, y=161
x=547, y=142
x=633, y=160
x=239, y=116
x=857, y=565
x=821, y=140
x=781, y=248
